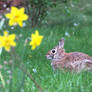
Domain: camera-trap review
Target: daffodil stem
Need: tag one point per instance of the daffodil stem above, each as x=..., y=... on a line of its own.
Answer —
x=12, y=69
x=23, y=68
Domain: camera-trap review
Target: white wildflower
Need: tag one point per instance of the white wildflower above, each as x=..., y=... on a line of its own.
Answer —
x=7, y=9
x=34, y=70
x=0, y=17
x=5, y=62
x=24, y=24
x=9, y=71
x=0, y=51
x=12, y=28
x=2, y=23
x=4, y=5
x=67, y=34
x=75, y=24
x=72, y=5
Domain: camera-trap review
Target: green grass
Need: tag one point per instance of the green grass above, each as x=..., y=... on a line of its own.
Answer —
x=70, y=13
x=51, y=81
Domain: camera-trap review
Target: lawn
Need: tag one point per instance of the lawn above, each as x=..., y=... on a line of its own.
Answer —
x=51, y=81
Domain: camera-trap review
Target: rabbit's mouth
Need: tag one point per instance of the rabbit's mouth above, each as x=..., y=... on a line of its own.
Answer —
x=50, y=57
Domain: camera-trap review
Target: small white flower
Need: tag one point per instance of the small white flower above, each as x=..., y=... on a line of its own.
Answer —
x=5, y=62
x=75, y=24
x=4, y=5
x=24, y=24
x=7, y=9
x=34, y=70
x=12, y=27
x=2, y=23
x=9, y=72
x=72, y=5
x=20, y=35
x=0, y=17
x=0, y=51
x=67, y=34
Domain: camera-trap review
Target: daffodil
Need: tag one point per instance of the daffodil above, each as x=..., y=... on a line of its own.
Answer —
x=36, y=39
x=16, y=16
x=7, y=41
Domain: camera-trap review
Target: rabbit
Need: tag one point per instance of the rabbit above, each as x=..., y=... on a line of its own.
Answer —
x=73, y=61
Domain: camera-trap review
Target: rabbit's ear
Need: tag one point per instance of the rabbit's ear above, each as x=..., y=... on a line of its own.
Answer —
x=61, y=43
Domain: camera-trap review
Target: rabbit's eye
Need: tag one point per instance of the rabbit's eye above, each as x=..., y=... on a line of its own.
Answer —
x=53, y=51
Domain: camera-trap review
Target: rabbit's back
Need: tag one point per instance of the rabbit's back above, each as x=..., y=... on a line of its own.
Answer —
x=75, y=61
x=77, y=56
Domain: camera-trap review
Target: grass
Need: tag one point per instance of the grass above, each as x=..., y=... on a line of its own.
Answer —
x=51, y=81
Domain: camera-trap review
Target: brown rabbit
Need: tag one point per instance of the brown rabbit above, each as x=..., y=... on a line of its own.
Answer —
x=74, y=61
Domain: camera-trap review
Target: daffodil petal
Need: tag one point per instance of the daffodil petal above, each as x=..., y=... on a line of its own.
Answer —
x=21, y=10
x=37, y=33
x=12, y=36
x=14, y=10
x=8, y=15
x=33, y=47
x=13, y=44
x=20, y=24
x=24, y=17
x=11, y=22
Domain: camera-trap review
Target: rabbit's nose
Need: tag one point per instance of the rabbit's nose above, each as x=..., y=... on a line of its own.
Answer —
x=48, y=54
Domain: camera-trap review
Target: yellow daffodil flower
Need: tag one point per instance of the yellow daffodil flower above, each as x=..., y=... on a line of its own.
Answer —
x=7, y=41
x=36, y=40
x=16, y=16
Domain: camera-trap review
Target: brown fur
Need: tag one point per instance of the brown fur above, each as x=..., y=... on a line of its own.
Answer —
x=74, y=61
